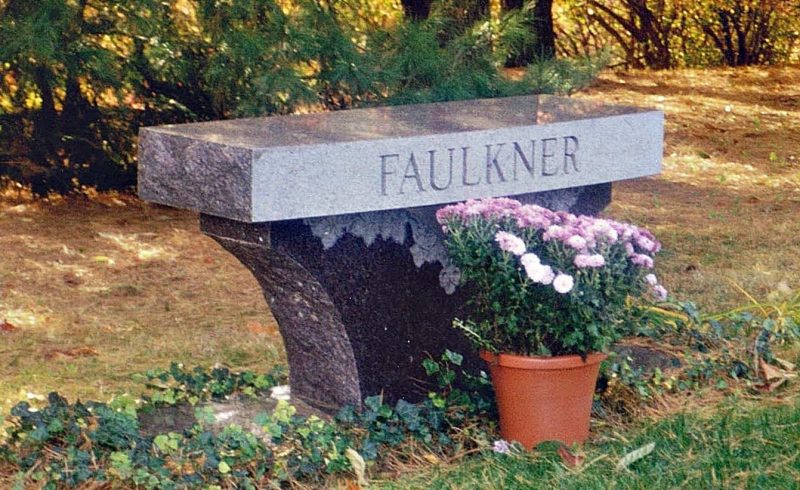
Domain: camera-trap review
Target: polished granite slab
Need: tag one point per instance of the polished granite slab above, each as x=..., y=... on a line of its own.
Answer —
x=303, y=166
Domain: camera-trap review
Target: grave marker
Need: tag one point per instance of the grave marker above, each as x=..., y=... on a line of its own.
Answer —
x=334, y=214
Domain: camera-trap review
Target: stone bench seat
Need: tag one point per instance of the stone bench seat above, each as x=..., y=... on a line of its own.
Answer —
x=334, y=214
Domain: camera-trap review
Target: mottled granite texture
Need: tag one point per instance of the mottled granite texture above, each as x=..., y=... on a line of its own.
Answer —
x=360, y=299
x=362, y=160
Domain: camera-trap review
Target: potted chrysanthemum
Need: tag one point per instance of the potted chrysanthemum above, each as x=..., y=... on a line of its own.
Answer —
x=550, y=291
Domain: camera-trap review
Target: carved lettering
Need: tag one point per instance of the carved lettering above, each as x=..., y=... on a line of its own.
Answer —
x=491, y=162
x=434, y=186
x=547, y=156
x=464, y=167
x=541, y=158
x=384, y=171
x=569, y=153
x=529, y=164
x=412, y=172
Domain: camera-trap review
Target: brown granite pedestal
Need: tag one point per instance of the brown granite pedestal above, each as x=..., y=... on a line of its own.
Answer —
x=361, y=299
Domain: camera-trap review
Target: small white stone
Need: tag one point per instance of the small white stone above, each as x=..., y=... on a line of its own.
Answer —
x=223, y=416
x=280, y=392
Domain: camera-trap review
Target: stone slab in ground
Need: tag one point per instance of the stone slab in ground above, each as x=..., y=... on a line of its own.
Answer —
x=241, y=410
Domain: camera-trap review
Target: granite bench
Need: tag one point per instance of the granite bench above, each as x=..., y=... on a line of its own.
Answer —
x=333, y=213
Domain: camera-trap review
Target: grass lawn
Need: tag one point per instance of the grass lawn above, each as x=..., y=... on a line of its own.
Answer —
x=97, y=289
x=739, y=445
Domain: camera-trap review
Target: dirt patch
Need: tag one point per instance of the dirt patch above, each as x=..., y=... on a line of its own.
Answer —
x=648, y=359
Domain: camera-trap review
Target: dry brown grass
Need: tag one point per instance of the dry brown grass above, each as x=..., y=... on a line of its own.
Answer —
x=101, y=288
x=727, y=205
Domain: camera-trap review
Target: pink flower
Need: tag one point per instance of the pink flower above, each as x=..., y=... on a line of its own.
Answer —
x=584, y=260
x=563, y=283
x=533, y=216
x=660, y=292
x=577, y=242
x=535, y=270
x=510, y=243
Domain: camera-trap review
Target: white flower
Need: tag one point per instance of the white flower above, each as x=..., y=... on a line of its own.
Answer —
x=548, y=276
x=510, y=243
x=563, y=283
x=651, y=279
x=539, y=273
x=501, y=446
x=529, y=260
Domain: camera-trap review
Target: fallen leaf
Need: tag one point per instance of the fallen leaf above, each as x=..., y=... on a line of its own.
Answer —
x=257, y=328
x=103, y=259
x=635, y=456
x=770, y=387
x=432, y=458
x=7, y=327
x=786, y=364
x=351, y=485
x=569, y=458
x=72, y=279
x=770, y=371
x=359, y=466
x=71, y=353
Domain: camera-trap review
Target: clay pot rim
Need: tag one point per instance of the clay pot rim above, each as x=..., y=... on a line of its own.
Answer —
x=542, y=363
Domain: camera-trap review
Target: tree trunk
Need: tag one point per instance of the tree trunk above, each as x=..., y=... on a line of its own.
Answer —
x=544, y=36
x=45, y=120
x=416, y=9
x=543, y=29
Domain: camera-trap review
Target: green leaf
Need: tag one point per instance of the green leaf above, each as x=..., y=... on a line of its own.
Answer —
x=431, y=367
x=635, y=455
x=223, y=467
x=453, y=357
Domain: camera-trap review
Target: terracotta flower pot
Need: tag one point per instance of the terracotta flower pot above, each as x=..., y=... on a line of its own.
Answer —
x=544, y=398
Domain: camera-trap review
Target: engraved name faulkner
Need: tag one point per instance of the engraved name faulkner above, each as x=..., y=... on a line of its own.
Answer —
x=466, y=166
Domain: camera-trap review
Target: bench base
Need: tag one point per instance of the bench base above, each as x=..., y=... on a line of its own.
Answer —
x=362, y=299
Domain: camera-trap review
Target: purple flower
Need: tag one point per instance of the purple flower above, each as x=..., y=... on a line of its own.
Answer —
x=642, y=260
x=533, y=216
x=563, y=283
x=584, y=260
x=510, y=243
x=501, y=447
x=645, y=244
x=553, y=233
